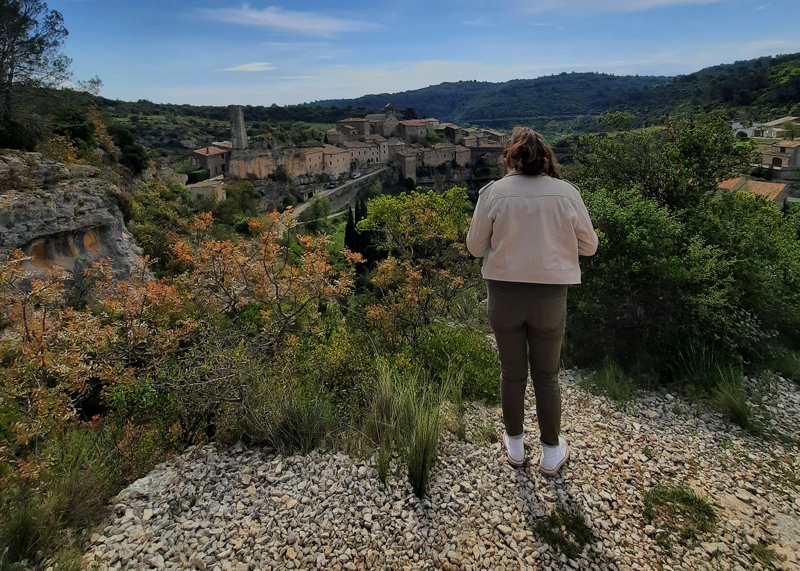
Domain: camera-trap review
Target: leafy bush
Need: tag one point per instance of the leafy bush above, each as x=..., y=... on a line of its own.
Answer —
x=679, y=262
x=448, y=349
x=197, y=176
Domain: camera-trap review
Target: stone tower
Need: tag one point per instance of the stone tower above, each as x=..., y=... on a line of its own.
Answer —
x=238, y=131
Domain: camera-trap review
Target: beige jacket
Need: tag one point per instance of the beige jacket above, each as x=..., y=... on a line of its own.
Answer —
x=531, y=229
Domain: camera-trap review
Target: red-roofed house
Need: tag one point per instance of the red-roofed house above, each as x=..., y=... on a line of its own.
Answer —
x=772, y=191
x=212, y=159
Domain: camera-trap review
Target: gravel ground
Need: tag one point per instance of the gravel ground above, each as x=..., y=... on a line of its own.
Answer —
x=243, y=510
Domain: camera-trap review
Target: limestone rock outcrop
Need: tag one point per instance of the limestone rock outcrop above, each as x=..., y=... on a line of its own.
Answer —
x=60, y=216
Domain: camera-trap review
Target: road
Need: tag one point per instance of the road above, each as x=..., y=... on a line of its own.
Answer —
x=328, y=191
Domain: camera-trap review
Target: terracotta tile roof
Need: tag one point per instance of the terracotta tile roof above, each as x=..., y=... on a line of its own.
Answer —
x=407, y=153
x=377, y=138
x=210, y=151
x=730, y=184
x=495, y=133
x=353, y=120
x=418, y=122
x=375, y=117
x=309, y=151
x=769, y=189
x=393, y=142
x=788, y=144
x=331, y=150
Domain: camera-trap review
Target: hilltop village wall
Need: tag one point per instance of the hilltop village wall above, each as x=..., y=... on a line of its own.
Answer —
x=378, y=138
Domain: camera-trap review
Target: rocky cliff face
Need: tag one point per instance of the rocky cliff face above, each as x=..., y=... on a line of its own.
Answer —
x=61, y=216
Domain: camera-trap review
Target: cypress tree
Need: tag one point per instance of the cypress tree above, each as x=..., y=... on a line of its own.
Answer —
x=350, y=236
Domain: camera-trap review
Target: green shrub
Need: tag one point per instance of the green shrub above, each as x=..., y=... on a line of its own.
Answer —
x=406, y=415
x=198, y=176
x=50, y=522
x=678, y=259
x=448, y=348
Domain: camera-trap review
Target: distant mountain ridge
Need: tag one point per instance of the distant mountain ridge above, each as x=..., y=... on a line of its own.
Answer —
x=760, y=89
x=750, y=90
x=561, y=97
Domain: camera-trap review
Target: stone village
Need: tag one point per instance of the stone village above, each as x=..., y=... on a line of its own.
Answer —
x=377, y=140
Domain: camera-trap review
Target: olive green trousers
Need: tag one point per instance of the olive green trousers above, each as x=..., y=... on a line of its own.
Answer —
x=528, y=322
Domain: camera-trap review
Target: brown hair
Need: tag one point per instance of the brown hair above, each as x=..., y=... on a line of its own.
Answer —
x=527, y=153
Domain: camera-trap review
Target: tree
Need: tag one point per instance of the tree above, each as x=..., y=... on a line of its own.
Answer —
x=30, y=38
x=790, y=130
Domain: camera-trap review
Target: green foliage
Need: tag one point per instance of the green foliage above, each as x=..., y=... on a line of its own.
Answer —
x=197, y=176
x=315, y=215
x=613, y=381
x=679, y=263
x=680, y=512
x=448, y=349
x=15, y=135
x=133, y=156
x=763, y=554
x=408, y=409
x=237, y=210
x=303, y=420
x=161, y=216
x=49, y=522
x=731, y=397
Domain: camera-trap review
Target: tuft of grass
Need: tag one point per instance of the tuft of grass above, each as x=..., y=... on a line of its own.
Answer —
x=384, y=458
x=680, y=511
x=302, y=423
x=730, y=397
x=762, y=553
x=407, y=414
x=649, y=453
x=613, y=381
x=565, y=531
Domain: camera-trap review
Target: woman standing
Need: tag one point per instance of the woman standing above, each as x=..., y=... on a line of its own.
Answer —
x=530, y=227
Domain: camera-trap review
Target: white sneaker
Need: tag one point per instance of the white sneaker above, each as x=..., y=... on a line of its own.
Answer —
x=515, y=449
x=553, y=457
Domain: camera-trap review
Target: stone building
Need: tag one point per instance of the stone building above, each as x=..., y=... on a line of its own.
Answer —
x=333, y=137
x=308, y=161
x=382, y=144
x=337, y=161
x=360, y=127
x=384, y=123
x=406, y=159
x=415, y=130
x=213, y=159
x=783, y=154
x=212, y=188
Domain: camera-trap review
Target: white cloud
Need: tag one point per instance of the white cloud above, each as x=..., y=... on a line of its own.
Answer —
x=276, y=18
x=587, y=7
x=252, y=67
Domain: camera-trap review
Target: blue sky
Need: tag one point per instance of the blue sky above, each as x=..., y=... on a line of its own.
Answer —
x=217, y=52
